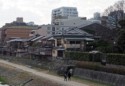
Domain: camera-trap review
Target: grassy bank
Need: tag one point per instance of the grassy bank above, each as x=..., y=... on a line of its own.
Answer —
x=23, y=75
x=2, y=80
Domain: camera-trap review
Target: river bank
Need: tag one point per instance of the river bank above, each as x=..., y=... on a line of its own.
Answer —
x=43, y=66
x=14, y=76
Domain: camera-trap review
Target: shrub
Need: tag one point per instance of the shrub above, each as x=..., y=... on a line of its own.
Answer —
x=83, y=56
x=77, y=56
x=111, y=58
x=98, y=67
x=118, y=59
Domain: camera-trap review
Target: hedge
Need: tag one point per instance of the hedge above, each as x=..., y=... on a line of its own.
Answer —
x=111, y=58
x=98, y=67
x=118, y=59
x=83, y=56
x=77, y=56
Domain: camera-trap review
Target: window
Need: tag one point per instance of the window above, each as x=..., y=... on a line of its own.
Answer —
x=62, y=23
x=53, y=28
x=72, y=42
x=53, y=33
x=78, y=42
x=48, y=32
x=57, y=28
x=58, y=42
x=32, y=32
x=75, y=42
x=48, y=28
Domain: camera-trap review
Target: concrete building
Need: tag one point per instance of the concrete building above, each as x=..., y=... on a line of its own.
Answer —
x=97, y=16
x=17, y=29
x=104, y=20
x=64, y=24
x=64, y=13
x=19, y=20
x=64, y=18
x=114, y=17
x=0, y=35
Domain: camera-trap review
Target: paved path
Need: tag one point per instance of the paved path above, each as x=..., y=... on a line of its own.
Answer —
x=44, y=75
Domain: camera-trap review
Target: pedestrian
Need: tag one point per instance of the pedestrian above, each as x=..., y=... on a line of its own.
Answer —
x=65, y=76
x=71, y=71
x=69, y=75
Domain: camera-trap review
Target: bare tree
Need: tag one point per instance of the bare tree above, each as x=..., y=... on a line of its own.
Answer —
x=115, y=13
x=120, y=5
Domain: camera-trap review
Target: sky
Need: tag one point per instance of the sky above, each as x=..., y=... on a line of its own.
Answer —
x=39, y=11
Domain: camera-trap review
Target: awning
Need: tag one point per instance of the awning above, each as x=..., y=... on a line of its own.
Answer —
x=17, y=40
x=51, y=38
x=37, y=38
x=86, y=39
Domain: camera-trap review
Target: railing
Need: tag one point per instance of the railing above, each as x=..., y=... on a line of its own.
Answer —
x=73, y=46
x=40, y=51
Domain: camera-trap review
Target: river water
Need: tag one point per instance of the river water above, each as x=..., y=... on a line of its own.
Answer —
x=4, y=85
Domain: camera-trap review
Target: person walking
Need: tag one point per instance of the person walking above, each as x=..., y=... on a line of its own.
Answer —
x=70, y=74
x=65, y=76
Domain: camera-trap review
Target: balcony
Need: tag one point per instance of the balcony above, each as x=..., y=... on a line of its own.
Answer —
x=72, y=46
x=41, y=51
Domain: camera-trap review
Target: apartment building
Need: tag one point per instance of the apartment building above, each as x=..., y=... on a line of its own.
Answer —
x=17, y=29
x=63, y=13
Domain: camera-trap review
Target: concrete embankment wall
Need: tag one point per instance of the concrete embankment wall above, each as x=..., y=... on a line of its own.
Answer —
x=112, y=79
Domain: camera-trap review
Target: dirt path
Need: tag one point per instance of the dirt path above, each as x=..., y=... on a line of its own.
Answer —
x=43, y=75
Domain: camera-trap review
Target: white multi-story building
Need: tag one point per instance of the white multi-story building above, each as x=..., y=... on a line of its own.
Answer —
x=64, y=13
x=64, y=25
x=63, y=19
x=97, y=16
x=75, y=22
x=46, y=30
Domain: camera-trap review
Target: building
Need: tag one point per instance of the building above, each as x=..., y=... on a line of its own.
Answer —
x=56, y=45
x=63, y=13
x=17, y=29
x=65, y=18
x=44, y=30
x=0, y=35
x=97, y=16
x=19, y=20
x=104, y=20
x=101, y=32
x=114, y=17
x=64, y=24
x=73, y=39
x=21, y=46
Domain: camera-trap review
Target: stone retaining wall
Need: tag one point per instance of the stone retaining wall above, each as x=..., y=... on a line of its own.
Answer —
x=109, y=78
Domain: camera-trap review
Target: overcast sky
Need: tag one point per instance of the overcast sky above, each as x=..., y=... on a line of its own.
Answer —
x=39, y=11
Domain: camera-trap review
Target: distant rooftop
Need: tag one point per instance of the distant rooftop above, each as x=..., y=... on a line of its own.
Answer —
x=64, y=7
x=20, y=24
